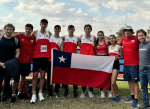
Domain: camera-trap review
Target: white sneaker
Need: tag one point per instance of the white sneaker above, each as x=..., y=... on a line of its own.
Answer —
x=109, y=94
x=82, y=95
x=41, y=98
x=91, y=95
x=33, y=99
x=102, y=94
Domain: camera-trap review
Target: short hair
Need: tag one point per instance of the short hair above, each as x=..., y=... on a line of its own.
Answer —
x=71, y=26
x=87, y=25
x=44, y=20
x=9, y=25
x=57, y=26
x=141, y=30
x=29, y=25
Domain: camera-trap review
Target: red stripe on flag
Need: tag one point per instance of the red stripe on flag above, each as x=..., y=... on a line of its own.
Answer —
x=81, y=77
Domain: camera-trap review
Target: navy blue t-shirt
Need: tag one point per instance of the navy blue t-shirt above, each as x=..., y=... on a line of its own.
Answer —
x=8, y=48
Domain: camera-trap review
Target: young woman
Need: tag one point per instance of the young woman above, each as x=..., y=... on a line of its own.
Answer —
x=101, y=49
x=115, y=50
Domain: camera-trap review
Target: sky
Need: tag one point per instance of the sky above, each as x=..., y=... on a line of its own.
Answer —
x=104, y=15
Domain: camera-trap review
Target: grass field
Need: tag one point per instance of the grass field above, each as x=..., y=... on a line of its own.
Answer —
x=77, y=103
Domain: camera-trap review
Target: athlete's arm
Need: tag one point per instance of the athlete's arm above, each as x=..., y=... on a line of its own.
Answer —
x=78, y=41
x=49, y=33
x=17, y=52
x=80, y=37
x=121, y=52
x=63, y=38
x=94, y=40
x=62, y=46
x=34, y=33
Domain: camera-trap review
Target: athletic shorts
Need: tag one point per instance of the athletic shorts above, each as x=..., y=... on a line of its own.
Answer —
x=131, y=73
x=25, y=69
x=116, y=65
x=40, y=63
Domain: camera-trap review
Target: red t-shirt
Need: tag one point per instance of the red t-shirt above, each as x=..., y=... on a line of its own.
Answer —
x=27, y=48
x=130, y=50
x=102, y=49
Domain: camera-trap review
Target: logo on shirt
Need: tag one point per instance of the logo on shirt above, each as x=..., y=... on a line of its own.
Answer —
x=73, y=40
x=90, y=40
x=32, y=41
x=46, y=35
x=123, y=42
x=115, y=51
x=22, y=39
x=132, y=41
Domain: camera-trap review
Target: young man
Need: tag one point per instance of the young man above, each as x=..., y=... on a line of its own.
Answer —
x=27, y=43
x=130, y=45
x=144, y=66
x=87, y=48
x=40, y=60
x=56, y=42
x=9, y=50
x=70, y=45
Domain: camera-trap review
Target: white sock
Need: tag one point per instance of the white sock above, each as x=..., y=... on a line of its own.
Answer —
x=19, y=92
x=13, y=95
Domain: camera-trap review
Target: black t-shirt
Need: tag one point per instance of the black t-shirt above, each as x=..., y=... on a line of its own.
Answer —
x=8, y=48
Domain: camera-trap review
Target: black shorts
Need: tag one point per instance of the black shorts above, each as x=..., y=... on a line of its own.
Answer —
x=116, y=65
x=40, y=63
x=25, y=69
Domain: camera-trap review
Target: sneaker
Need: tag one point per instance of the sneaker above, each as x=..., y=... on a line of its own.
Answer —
x=145, y=104
x=109, y=94
x=20, y=96
x=48, y=96
x=117, y=98
x=128, y=100
x=91, y=95
x=40, y=96
x=102, y=94
x=75, y=94
x=57, y=94
x=66, y=93
x=13, y=99
x=33, y=99
x=82, y=95
x=135, y=104
x=113, y=99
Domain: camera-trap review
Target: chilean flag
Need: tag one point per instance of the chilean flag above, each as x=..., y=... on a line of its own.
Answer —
x=81, y=70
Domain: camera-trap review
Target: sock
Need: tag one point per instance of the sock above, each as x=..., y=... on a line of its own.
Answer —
x=19, y=92
x=40, y=91
x=13, y=95
x=33, y=92
x=132, y=96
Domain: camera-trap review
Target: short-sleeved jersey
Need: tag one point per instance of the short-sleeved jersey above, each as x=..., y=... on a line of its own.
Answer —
x=130, y=50
x=54, y=43
x=70, y=44
x=102, y=49
x=113, y=52
x=87, y=45
x=27, y=48
x=8, y=48
x=42, y=45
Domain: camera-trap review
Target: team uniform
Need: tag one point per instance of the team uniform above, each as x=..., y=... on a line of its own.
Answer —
x=55, y=43
x=26, y=53
x=41, y=52
x=131, y=58
x=102, y=49
x=87, y=48
x=70, y=45
x=114, y=52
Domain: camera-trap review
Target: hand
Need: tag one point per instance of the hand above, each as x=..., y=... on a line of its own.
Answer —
x=19, y=34
x=3, y=66
x=116, y=57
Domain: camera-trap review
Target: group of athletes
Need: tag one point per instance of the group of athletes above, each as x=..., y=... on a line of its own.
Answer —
x=35, y=46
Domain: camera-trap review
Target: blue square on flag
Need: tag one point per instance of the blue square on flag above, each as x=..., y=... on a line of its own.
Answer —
x=61, y=59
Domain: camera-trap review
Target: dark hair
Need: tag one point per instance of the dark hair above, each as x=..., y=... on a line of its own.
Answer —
x=87, y=25
x=44, y=20
x=141, y=30
x=97, y=40
x=9, y=25
x=71, y=26
x=57, y=26
x=114, y=37
x=29, y=25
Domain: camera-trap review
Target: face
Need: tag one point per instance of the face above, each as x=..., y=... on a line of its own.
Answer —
x=43, y=25
x=112, y=40
x=87, y=30
x=128, y=33
x=8, y=31
x=100, y=35
x=28, y=30
x=57, y=30
x=141, y=37
x=71, y=30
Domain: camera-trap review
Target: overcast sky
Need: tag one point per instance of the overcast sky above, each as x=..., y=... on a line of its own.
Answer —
x=106, y=15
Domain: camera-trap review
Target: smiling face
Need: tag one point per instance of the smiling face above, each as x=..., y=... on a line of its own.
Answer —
x=57, y=30
x=28, y=30
x=112, y=39
x=87, y=30
x=71, y=31
x=128, y=33
x=43, y=25
x=8, y=31
x=100, y=35
x=141, y=37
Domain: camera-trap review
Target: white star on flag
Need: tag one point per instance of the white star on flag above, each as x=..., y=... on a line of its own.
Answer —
x=62, y=59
